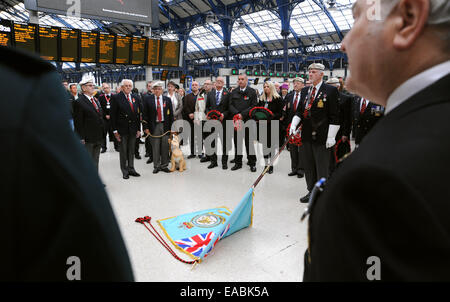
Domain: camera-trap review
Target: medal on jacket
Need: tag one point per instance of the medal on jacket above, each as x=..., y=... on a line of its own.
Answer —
x=245, y=97
x=320, y=104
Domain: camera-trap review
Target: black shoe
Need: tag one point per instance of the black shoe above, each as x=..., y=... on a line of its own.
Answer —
x=253, y=168
x=150, y=160
x=224, y=166
x=125, y=176
x=212, y=165
x=270, y=169
x=191, y=156
x=134, y=173
x=300, y=175
x=204, y=159
x=293, y=173
x=156, y=170
x=137, y=156
x=165, y=170
x=103, y=150
x=147, y=154
x=305, y=199
x=233, y=161
x=236, y=167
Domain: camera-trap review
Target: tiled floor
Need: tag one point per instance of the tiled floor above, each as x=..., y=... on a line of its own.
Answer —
x=271, y=250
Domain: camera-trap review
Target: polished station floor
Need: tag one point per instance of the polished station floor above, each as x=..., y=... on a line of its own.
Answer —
x=271, y=250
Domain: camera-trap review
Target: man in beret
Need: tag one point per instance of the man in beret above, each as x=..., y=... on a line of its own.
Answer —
x=88, y=119
x=383, y=215
x=158, y=116
x=319, y=117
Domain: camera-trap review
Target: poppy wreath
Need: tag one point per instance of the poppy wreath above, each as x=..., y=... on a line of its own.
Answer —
x=261, y=113
x=341, y=149
x=214, y=115
x=237, y=122
x=294, y=139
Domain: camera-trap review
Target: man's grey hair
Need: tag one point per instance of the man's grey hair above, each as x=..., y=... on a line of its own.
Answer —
x=439, y=16
x=439, y=11
x=124, y=81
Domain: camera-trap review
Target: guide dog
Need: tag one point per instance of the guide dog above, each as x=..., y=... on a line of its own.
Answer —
x=177, y=158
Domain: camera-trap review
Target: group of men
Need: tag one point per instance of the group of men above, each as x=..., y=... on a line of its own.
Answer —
x=122, y=115
x=325, y=113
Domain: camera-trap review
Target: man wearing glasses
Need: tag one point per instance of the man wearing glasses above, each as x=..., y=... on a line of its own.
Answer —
x=88, y=119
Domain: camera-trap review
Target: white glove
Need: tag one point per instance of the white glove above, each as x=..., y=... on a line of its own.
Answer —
x=294, y=124
x=332, y=131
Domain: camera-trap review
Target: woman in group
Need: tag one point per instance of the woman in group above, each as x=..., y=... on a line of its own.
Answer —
x=177, y=101
x=271, y=100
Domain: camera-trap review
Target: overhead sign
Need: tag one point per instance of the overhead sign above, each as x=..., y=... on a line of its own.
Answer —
x=138, y=12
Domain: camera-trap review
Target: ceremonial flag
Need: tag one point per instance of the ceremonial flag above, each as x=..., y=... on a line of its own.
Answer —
x=196, y=234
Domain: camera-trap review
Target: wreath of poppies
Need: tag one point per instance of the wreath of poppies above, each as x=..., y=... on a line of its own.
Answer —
x=261, y=113
x=214, y=115
x=294, y=139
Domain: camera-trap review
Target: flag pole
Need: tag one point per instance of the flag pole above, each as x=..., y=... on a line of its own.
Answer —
x=272, y=160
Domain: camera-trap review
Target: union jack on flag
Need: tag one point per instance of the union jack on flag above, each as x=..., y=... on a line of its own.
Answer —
x=217, y=240
x=195, y=244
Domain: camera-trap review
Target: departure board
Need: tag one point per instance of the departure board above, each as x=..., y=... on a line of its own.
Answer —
x=138, y=54
x=5, y=33
x=170, y=53
x=106, y=49
x=153, y=52
x=123, y=44
x=88, y=47
x=24, y=36
x=48, y=43
x=69, y=45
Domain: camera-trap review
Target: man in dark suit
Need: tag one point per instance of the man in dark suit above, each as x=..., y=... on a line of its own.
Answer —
x=105, y=102
x=217, y=99
x=384, y=215
x=135, y=94
x=293, y=101
x=125, y=123
x=365, y=115
x=188, y=116
x=319, y=116
x=148, y=144
x=345, y=120
x=53, y=204
x=88, y=119
x=158, y=114
x=242, y=100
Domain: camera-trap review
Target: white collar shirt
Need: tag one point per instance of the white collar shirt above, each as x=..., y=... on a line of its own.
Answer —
x=416, y=84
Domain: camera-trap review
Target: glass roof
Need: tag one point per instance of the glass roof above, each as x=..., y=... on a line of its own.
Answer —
x=307, y=19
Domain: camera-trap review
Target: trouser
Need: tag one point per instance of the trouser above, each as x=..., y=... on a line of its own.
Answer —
x=126, y=147
x=94, y=151
x=225, y=146
x=136, y=146
x=296, y=162
x=109, y=131
x=249, y=148
x=192, y=141
x=160, y=147
x=268, y=149
x=316, y=161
